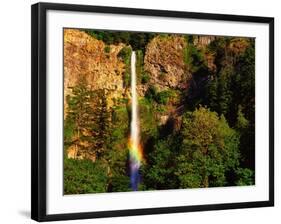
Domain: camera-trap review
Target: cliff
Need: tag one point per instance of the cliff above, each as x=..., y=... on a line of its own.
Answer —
x=164, y=60
x=90, y=59
x=203, y=41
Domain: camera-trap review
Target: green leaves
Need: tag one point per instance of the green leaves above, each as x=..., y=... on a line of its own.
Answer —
x=158, y=173
x=84, y=176
x=107, y=49
x=244, y=177
x=125, y=55
x=120, y=183
x=160, y=97
x=193, y=57
x=210, y=149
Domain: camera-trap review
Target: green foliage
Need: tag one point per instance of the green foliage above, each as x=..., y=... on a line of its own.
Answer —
x=233, y=84
x=145, y=77
x=232, y=93
x=213, y=94
x=107, y=49
x=148, y=122
x=220, y=48
x=135, y=39
x=84, y=176
x=164, y=35
x=189, y=39
x=242, y=122
x=116, y=159
x=127, y=79
x=245, y=80
x=69, y=127
x=120, y=123
x=125, y=55
x=120, y=183
x=87, y=120
x=161, y=97
x=139, y=63
x=160, y=158
x=193, y=57
x=219, y=91
x=244, y=177
x=224, y=92
x=159, y=171
x=151, y=93
x=207, y=155
x=140, y=40
x=196, y=62
x=117, y=153
x=245, y=83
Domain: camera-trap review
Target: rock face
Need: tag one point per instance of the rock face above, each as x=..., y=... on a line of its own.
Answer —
x=203, y=41
x=90, y=59
x=164, y=61
x=237, y=46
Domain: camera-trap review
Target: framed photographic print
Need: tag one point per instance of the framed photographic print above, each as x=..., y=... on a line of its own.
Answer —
x=139, y=111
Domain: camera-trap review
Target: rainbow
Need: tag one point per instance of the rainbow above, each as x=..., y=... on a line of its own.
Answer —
x=135, y=149
x=135, y=163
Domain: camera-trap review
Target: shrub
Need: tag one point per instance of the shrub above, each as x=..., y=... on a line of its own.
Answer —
x=84, y=176
x=145, y=78
x=244, y=177
x=125, y=54
x=163, y=97
x=107, y=49
x=151, y=93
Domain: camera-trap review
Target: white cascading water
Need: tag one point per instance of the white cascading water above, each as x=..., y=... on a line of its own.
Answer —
x=135, y=149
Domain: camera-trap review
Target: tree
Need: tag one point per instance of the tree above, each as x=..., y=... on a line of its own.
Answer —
x=246, y=141
x=244, y=176
x=158, y=173
x=212, y=94
x=87, y=121
x=84, y=177
x=125, y=55
x=117, y=154
x=224, y=93
x=244, y=103
x=209, y=150
x=219, y=91
x=242, y=122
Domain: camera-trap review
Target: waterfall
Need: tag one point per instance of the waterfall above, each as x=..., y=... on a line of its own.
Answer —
x=134, y=143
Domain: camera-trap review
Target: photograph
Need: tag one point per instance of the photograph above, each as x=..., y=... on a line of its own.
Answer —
x=147, y=111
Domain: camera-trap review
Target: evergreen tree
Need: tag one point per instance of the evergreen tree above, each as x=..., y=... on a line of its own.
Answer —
x=116, y=155
x=244, y=176
x=242, y=123
x=223, y=92
x=243, y=104
x=158, y=173
x=89, y=120
x=84, y=177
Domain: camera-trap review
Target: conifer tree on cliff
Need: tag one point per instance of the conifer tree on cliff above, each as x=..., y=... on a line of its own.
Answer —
x=89, y=118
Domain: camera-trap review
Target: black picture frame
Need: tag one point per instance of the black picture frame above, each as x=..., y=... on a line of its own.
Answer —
x=38, y=108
